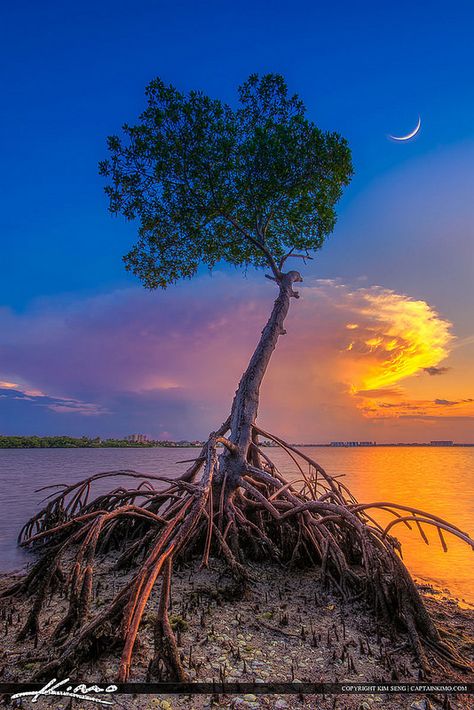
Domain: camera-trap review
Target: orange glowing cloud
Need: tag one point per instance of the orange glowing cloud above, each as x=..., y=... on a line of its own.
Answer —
x=359, y=352
x=413, y=408
x=395, y=337
x=390, y=338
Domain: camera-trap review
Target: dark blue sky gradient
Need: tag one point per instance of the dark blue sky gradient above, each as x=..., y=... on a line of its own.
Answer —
x=73, y=73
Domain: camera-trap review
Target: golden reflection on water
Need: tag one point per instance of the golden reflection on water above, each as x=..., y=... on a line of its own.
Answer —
x=438, y=480
x=435, y=479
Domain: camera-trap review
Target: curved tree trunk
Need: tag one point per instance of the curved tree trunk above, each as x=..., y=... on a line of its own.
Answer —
x=245, y=404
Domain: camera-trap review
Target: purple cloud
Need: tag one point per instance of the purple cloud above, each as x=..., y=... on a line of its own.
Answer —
x=167, y=363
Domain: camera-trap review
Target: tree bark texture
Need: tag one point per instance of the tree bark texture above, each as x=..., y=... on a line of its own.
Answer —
x=246, y=400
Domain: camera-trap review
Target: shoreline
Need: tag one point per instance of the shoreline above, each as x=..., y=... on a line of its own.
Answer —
x=198, y=446
x=288, y=627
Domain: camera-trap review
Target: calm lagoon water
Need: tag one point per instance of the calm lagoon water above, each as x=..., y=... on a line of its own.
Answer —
x=438, y=480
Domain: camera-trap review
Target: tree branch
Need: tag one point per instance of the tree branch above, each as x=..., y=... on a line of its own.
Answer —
x=295, y=256
x=256, y=242
x=271, y=261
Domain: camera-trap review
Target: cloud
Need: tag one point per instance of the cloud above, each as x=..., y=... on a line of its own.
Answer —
x=170, y=361
x=17, y=392
x=449, y=403
x=397, y=336
x=73, y=407
x=436, y=370
x=368, y=341
x=382, y=392
x=440, y=409
x=4, y=385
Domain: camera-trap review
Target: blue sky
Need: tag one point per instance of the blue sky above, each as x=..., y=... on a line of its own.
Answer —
x=73, y=73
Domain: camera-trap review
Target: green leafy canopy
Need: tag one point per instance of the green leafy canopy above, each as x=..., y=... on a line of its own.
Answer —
x=208, y=182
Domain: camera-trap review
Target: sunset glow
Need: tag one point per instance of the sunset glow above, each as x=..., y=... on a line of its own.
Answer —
x=8, y=385
x=366, y=356
x=405, y=336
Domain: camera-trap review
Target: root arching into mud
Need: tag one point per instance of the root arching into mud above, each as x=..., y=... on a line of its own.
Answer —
x=158, y=523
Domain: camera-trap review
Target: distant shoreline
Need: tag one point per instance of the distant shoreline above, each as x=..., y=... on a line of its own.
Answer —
x=70, y=442
x=67, y=442
x=378, y=446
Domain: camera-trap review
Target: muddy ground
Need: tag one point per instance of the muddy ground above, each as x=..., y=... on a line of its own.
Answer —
x=287, y=627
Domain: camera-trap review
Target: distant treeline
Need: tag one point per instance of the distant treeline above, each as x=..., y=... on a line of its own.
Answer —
x=70, y=442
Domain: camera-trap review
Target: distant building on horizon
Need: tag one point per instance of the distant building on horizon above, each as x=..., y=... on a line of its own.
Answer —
x=353, y=443
x=137, y=438
x=442, y=443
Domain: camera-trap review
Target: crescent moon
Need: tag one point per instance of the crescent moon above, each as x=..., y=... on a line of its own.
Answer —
x=410, y=135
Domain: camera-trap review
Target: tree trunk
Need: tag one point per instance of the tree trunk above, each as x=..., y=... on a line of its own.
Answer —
x=245, y=404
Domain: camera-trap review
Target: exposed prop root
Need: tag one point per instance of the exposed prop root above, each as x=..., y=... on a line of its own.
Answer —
x=313, y=520
x=166, y=662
